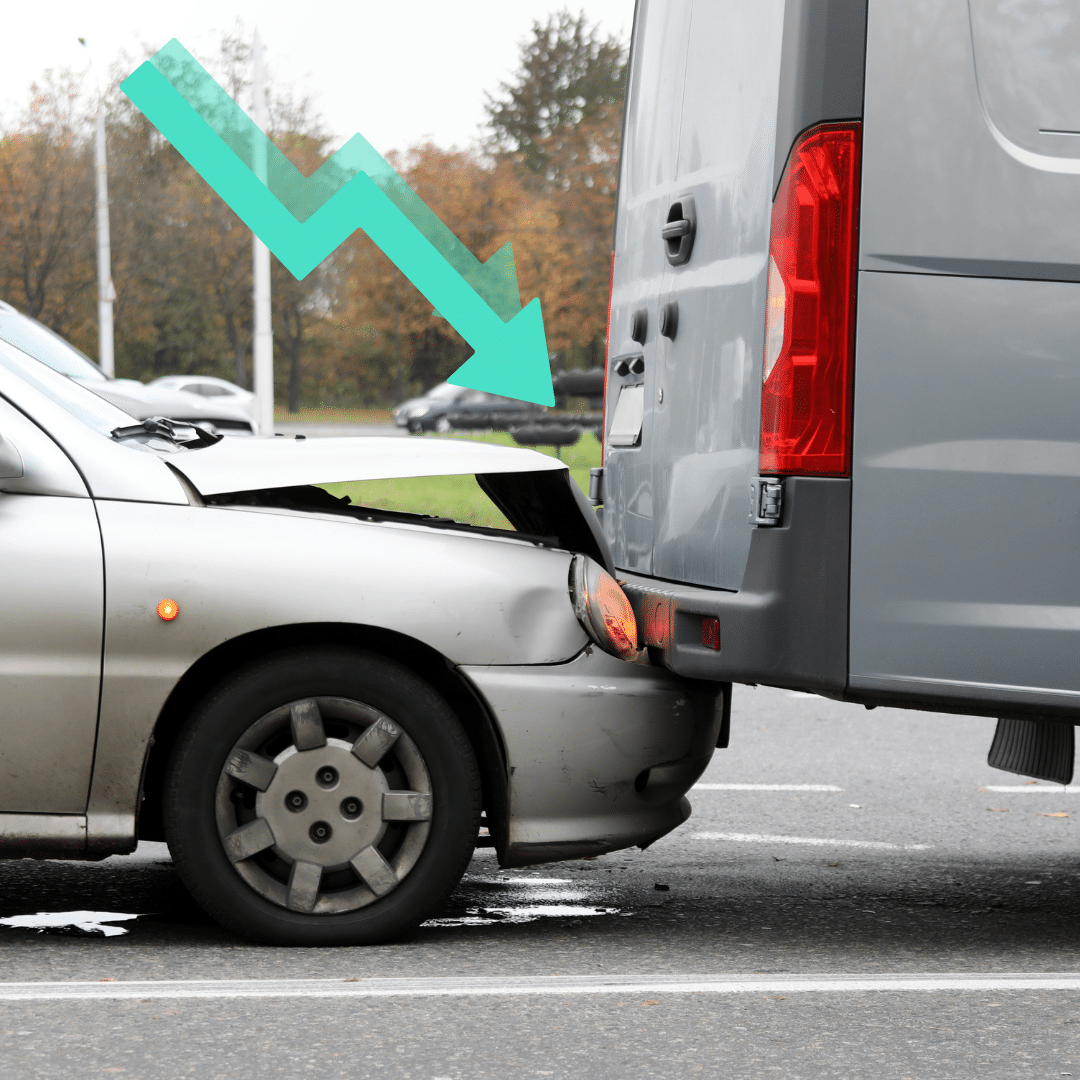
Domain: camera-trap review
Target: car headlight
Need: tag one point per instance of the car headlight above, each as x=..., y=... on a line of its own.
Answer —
x=417, y=410
x=602, y=608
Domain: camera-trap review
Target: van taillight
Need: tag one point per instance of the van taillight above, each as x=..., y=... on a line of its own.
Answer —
x=810, y=309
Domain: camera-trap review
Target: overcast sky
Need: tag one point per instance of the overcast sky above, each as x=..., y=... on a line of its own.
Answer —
x=398, y=71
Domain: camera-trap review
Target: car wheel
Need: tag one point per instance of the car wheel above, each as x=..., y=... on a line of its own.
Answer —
x=442, y=425
x=415, y=427
x=322, y=798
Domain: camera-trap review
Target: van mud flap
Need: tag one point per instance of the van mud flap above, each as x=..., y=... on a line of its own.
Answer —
x=1039, y=748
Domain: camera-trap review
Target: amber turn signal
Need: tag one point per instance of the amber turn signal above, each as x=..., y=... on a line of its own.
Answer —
x=168, y=610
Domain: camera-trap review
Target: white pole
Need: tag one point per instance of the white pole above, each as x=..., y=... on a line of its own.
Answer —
x=263, y=338
x=106, y=292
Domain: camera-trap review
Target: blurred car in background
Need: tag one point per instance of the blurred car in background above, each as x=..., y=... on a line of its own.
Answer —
x=423, y=413
x=214, y=390
x=130, y=395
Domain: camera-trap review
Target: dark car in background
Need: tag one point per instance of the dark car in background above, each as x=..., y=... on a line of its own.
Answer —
x=424, y=413
x=447, y=407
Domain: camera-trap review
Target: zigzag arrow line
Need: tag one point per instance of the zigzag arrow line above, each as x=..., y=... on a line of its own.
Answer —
x=509, y=358
x=495, y=280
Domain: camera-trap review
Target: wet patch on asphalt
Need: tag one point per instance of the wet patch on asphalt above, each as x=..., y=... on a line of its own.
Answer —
x=521, y=900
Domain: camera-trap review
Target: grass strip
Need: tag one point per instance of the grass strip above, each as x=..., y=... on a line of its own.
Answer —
x=460, y=497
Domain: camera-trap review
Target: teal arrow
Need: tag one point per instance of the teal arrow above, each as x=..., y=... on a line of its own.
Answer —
x=495, y=280
x=509, y=358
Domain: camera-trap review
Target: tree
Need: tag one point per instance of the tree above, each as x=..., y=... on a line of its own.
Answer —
x=47, y=264
x=569, y=75
x=560, y=122
x=389, y=326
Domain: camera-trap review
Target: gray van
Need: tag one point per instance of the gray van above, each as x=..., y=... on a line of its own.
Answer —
x=842, y=410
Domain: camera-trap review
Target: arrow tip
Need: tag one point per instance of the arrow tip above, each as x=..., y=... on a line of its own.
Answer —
x=514, y=363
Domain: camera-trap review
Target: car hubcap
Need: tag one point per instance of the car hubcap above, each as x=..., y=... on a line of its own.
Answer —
x=324, y=805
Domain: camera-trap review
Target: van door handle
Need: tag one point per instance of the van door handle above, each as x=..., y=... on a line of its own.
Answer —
x=679, y=230
x=673, y=230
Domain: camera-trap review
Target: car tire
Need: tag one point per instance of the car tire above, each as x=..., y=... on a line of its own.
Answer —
x=353, y=740
x=442, y=425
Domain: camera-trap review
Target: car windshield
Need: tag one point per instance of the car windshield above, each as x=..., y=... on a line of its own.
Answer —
x=95, y=412
x=50, y=348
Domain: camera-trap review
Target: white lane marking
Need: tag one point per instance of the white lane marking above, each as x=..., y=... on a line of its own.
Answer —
x=1033, y=789
x=537, y=984
x=764, y=838
x=92, y=921
x=766, y=787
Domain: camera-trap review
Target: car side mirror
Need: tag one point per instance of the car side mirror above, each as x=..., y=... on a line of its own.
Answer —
x=11, y=462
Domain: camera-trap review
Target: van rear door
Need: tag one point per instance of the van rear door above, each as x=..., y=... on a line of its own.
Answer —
x=707, y=398
x=649, y=157
x=697, y=178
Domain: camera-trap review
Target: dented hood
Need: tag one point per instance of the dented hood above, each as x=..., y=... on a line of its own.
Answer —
x=256, y=464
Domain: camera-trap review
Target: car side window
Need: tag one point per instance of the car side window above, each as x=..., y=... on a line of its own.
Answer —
x=210, y=390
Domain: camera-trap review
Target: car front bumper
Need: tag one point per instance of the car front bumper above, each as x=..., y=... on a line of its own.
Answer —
x=600, y=753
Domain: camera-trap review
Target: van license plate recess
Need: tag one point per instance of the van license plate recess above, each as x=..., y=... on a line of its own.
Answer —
x=625, y=427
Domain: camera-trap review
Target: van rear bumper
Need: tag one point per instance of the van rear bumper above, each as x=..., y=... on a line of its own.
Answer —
x=788, y=624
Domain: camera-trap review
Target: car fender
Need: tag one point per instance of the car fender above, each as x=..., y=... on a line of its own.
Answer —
x=233, y=571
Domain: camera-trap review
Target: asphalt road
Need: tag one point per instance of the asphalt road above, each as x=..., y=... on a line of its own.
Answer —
x=762, y=901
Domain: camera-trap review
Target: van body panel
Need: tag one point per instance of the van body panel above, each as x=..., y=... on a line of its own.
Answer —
x=958, y=183
x=787, y=625
x=1027, y=61
x=647, y=172
x=966, y=484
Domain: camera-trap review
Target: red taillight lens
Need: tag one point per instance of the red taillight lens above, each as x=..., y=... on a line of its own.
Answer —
x=607, y=358
x=810, y=320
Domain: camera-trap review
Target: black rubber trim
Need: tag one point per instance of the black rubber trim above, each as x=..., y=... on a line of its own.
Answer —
x=822, y=69
x=1036, y=748
x=788, y=624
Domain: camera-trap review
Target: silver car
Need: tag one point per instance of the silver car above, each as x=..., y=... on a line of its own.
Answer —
x=137, y=399
x=322, y=707
x=215, y=392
